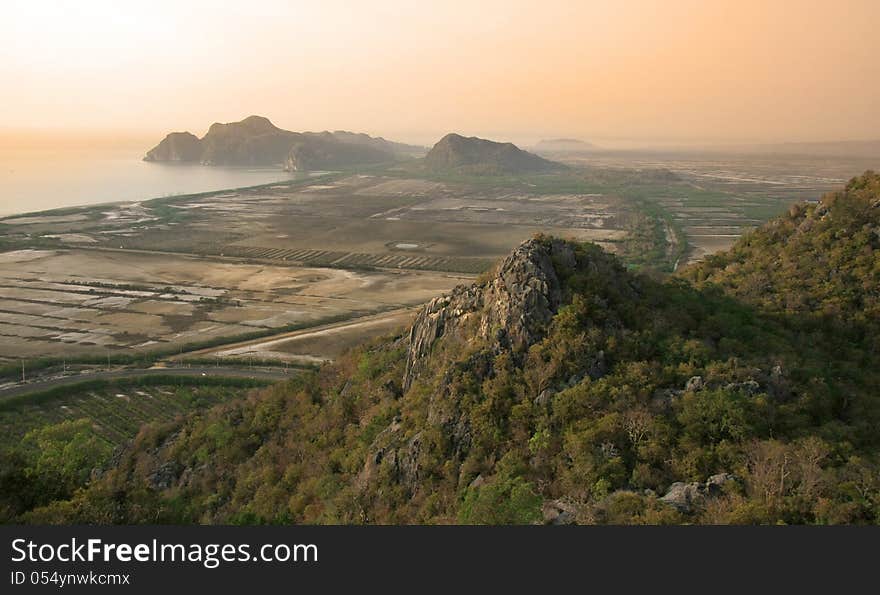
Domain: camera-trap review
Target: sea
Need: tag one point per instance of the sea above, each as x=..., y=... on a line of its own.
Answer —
x=41, y=178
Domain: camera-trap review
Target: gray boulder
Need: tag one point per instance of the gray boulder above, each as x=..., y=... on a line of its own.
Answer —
x=717, y=483
x=685, y=497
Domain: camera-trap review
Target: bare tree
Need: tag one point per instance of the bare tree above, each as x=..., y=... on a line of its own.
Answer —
x=769, y=464
x=638, y=424
x=808, y=457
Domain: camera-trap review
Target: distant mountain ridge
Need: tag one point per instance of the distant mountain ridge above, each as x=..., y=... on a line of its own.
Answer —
x=472, y=155
x=257, y=141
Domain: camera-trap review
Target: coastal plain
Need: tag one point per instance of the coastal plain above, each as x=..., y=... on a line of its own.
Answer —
x=183, y=272
x=296, y=271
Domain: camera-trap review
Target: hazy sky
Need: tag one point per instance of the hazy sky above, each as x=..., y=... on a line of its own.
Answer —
x=715, y=70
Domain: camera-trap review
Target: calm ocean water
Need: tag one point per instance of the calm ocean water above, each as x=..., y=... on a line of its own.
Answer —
x=38, y=179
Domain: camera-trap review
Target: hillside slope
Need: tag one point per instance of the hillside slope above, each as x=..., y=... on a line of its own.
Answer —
x=472, y=155
x=562, y=389
x=819, y=260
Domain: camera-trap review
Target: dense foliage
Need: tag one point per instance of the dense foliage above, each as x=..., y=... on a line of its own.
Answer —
x=55, y=442
x=820, y=260
x=751, y=379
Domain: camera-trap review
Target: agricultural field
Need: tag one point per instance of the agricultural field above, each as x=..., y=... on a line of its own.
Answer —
x=298, y=271
x=115, y=413
x=74, y=302
x=355, y=222
x=716, y=197
x=181, y=274
x=314, y=345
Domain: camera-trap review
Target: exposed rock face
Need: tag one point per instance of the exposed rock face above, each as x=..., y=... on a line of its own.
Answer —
x=687, y=497
x=513, y=309
x=178, y=146
x=165, y=476
x=684, y=496
x=476, y=155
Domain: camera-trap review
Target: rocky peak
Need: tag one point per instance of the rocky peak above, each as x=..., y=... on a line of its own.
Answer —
x=512, y=309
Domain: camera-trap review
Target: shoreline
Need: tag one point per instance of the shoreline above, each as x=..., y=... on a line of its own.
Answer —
x=74, y=209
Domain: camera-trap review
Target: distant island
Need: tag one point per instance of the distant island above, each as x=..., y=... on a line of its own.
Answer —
x=472, y=155
x=257, y=141
x=563, y=145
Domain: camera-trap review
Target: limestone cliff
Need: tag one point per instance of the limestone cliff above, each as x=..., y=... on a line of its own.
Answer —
x=512, y=309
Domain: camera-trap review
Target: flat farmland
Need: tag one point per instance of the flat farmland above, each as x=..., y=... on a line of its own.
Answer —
x=354, y=222
x=310, y=346
x=184, y=273
x=373, y=221
x=73, y=302
x=297, y=271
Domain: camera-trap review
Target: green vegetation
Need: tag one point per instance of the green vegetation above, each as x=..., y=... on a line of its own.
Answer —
x=12, y=404
x=54, y=442
x=507, y=500
x=819, y=262
x=747, y=396
x=49, y=463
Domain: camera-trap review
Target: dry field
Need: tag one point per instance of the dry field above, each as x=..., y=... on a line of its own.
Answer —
x=77, y=302
x=318, y=344
x=354, y=222
x=366, y=221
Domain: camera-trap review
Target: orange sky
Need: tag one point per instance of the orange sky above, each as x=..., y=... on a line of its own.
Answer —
x=681, y=70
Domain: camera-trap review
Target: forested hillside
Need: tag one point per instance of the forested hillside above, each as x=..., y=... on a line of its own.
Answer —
x=563, y=388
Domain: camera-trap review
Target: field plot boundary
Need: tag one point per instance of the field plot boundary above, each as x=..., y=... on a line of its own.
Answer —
x=328, y=258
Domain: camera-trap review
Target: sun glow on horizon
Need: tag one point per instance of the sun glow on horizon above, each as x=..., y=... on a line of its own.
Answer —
x=638, y=68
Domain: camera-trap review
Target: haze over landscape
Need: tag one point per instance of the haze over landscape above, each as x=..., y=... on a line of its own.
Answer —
x=645, y=70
